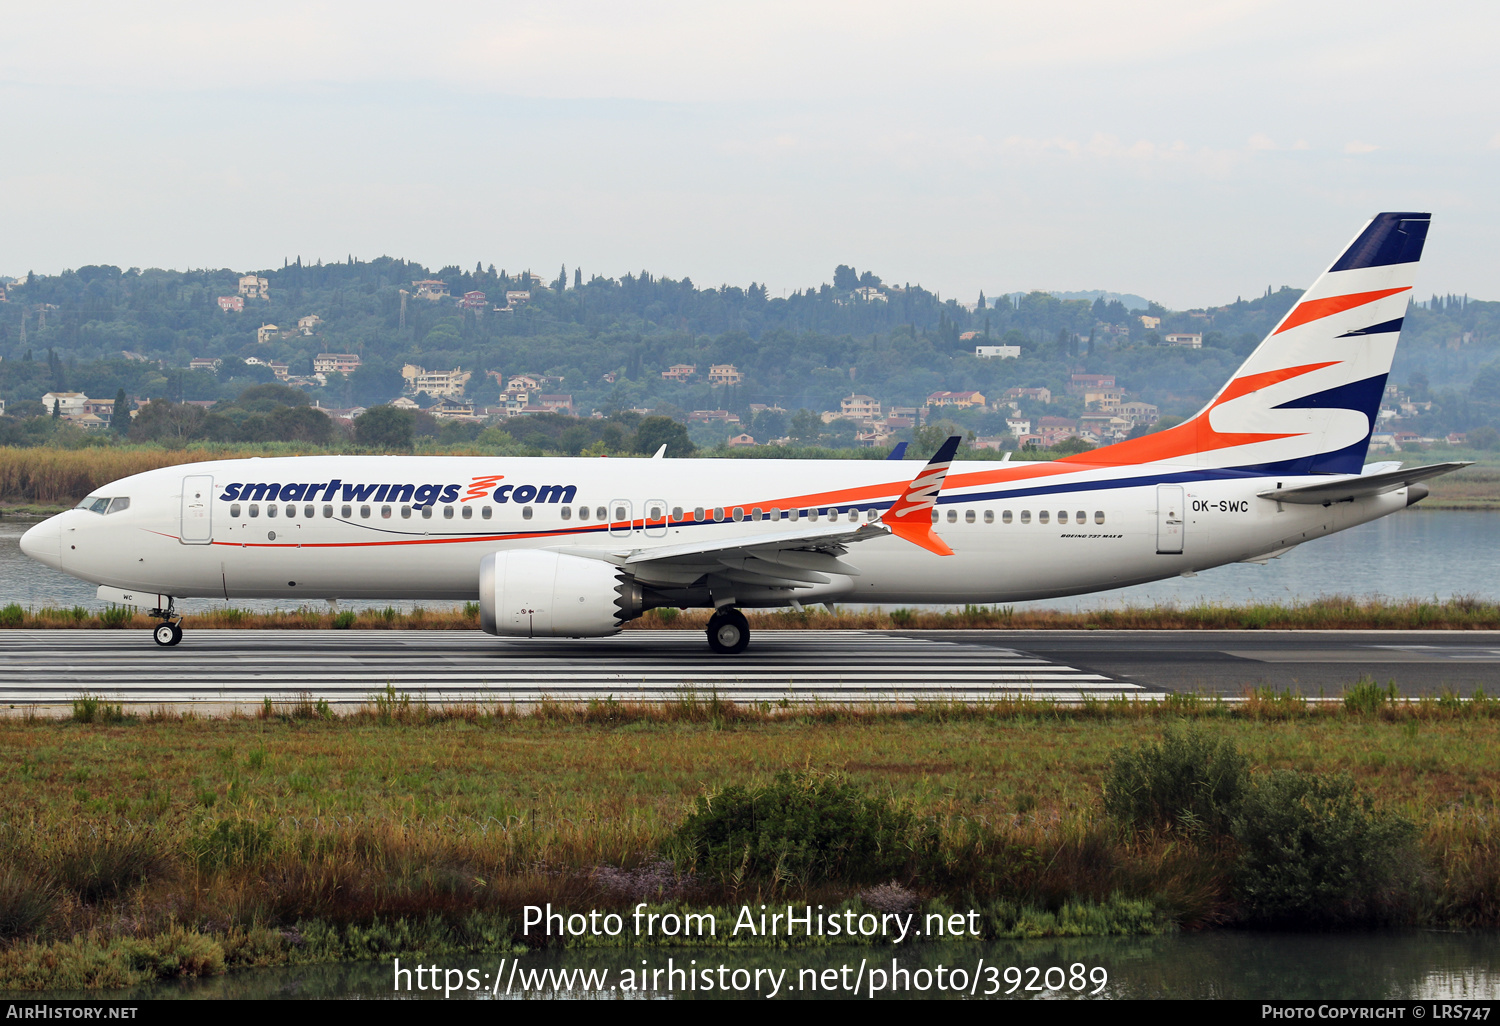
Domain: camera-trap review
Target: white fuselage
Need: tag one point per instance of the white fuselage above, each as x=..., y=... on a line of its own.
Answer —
x=1018, y=530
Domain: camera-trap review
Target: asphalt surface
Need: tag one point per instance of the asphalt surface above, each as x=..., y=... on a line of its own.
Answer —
x=239, y=669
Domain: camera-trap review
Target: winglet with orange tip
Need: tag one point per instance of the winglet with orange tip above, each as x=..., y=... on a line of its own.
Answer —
x=910, y=516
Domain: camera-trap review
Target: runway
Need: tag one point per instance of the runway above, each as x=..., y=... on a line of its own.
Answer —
x=226, y=669
x=239, y=669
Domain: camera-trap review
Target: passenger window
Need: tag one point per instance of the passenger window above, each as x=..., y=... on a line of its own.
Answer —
x=600, y=513
x=525, y=512
x=327, y=512
x=677, y=514
x=1081, y=517
x=447, y=512
x=619, y=513
x=346, y=512
x=254, y=510
x=291, y=511
x=796, y=515
x=364, y=512
x=270, y=509
x=1005, y=517
x=567, y=512
x=698, y=515
x=309, y=512
x=968, y=516
x=385, y=512
x=775, y=513
x=739, y=514
x=989, y=516
x=755, y=513
x=426, y=512
x=853, y=515
x=813, y=514
x=234, y=510
x=1062, y=516
x=936, y=516
x=469, y=513
x=405, y=512
x=718, y=514
x=487, y=512
x=1041, y=516
x=115, y=505
x=953, y=516
x=1025, y=516
x=1099, y=516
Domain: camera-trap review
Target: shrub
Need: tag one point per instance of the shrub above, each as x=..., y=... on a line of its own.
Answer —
x=804, y=827
x=25, y=904
x=1314, y=851
x=1189, y=779
x=1367, y=697
x=116, y=616
x=343, y=621
x=12, y=615
x=106, y=866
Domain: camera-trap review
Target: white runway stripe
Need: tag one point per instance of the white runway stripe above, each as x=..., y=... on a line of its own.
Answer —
x=242, y=667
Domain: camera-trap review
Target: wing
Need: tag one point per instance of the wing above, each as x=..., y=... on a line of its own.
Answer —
x=799, y=557
x=772, y=559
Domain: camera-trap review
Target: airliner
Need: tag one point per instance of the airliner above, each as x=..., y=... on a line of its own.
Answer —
x=559, y=547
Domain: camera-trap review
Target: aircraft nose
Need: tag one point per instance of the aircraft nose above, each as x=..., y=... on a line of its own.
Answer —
x=43, y=543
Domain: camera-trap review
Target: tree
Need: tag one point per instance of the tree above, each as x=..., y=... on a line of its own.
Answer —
x=384, y=427
x=654, y=432
x=119, y=420
x=844, y=278
x=56, y=409
x=806, y=426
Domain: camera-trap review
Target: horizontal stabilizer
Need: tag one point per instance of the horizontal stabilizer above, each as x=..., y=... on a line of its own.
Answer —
x=1349, y=488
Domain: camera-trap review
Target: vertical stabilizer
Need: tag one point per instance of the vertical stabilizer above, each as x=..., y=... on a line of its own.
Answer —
x=1305, y=401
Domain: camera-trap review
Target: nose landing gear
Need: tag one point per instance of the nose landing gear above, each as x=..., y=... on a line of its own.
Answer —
x=728, y=631
x=169, y=631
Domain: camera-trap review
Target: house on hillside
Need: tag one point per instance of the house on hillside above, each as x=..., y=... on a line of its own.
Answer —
x=341, y=363
x=998, y=352
x=253, y=287
x=430, y=289
x=961, y=400
x=205, y=363
x=680, y=372
x=860, y=407
x=473, y=301
x=1186, y=339
x=724, y=374
x=309, y=324
x=267, y=333
x=435, y=383
x=232, y=304
x=1041, y=395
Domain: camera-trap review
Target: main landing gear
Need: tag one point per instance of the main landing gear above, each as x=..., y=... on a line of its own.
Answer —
x=728, y=631
x=169, y=631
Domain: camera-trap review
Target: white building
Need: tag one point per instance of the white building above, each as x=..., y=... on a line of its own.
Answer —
x=997, y=352
x=1188, y=340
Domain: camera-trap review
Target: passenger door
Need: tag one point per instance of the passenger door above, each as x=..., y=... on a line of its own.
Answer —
x=1171, y=518
x=197, y=509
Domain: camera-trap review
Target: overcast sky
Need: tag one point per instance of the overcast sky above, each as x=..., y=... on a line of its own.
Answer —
x=1187, y=151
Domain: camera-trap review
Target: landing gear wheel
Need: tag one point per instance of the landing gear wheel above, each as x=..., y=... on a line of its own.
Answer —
x=728, y=632
x=167, y=634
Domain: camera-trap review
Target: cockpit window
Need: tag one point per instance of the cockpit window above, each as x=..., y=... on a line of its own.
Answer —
x=104, y=504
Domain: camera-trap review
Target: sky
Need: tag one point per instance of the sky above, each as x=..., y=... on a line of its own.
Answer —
x=1190, y=152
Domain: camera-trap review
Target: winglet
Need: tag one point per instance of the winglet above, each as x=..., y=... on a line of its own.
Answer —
x=910, y=516
x=899, y=452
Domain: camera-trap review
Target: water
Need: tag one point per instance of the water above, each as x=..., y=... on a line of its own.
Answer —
x=1224, y=964
x=1414, y=554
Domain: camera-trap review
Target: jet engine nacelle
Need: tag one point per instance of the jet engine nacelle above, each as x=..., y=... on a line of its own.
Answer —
x=529, y=593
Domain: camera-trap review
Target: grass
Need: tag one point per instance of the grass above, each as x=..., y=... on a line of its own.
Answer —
x=1333, y=612
x=165, y=844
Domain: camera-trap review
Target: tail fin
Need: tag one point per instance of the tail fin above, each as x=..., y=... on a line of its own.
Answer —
x=1305, y=401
